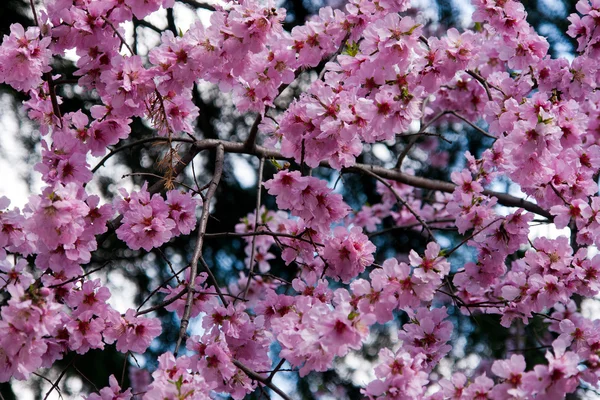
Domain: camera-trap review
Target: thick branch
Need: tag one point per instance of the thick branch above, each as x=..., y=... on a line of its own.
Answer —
x=394, y=175
x=391, y=174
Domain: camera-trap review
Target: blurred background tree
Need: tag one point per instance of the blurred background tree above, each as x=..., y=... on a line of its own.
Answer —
x=133, y=275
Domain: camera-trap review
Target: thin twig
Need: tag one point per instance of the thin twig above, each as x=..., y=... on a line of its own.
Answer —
x=475, y=233
x=261, y=167
x=334, y=55
x=137, y=143
x=162, y=178
x=403, y=203
x=261, y=233
x=478, y=129
x=185, y=320
x=175, y=275
x=257, y=377
x=164, y=303
x=80, y=276
x=212, y=278
x=483, y=83
x=421, y=131
x=413, y=135
x=409, y=226
x=47, y=380
x=62, y=374
x=163, y=255
x=116, y=31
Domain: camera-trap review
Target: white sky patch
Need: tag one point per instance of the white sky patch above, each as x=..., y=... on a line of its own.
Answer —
x=244, y=172
x=12, y=166
x=122, y=291
x=382, y=152
x=466, y=11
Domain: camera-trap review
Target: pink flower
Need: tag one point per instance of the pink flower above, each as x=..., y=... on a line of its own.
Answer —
x=348, y=253
x=511, y=371
x=133, y=333
x=24, y=57
x=287, y=186
x=578, y=210
x=141, y=8
x=85, y=333
x=182, y=210
x=92, y=297
x=113, y=392
x=432, y=267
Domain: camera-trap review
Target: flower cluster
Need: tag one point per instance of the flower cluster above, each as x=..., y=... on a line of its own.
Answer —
x=24, y=58
x=150, y=222
x=382, y=79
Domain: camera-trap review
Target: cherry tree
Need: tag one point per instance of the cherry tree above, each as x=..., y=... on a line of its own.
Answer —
x=379, y=78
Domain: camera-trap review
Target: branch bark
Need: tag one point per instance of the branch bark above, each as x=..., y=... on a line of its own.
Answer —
x=391, y=174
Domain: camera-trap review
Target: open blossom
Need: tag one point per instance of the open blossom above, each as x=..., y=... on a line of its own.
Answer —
x=399, y=376
x=182, y=210
x=308, y=198
x=172, y=379
x=128, y=84
x=133, y=333
x=85, y=333
x=24, y=57
x=150, y=221
x=578, y=210
x=512, y=372
x=348, y=253
x=112, y=392
x=141, y=8
x=428, y=334
x=432, y=266
x=146, y=226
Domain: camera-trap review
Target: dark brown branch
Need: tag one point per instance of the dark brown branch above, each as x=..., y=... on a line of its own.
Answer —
x=146, y=24
x=391, y=174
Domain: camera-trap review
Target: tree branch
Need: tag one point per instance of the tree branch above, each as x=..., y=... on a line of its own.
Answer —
x=255, y=376
x=391, y=174
x=185, y=320
x=402, y=202
x=261, y=167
